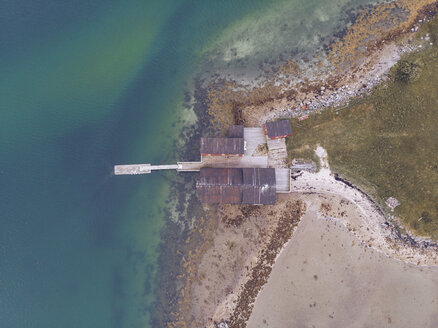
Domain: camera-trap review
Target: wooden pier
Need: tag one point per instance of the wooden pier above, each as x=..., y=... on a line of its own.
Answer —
x=252, y=158
x=283, y=180
x=133, y=169
x=190, y=166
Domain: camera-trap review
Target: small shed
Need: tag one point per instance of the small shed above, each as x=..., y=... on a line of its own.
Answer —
x=222, y=146
x=278, y=129
x=235, y=131
x=255, y=186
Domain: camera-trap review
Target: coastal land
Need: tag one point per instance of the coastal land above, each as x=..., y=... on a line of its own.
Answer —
x=331, y=252
x=327, y=277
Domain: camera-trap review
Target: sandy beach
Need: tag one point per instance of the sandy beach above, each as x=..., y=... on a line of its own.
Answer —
x=235, y=266
x=347, y=239
x=325, y=277
x=368, y=223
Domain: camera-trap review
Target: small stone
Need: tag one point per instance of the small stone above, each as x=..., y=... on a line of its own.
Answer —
x=392, y=203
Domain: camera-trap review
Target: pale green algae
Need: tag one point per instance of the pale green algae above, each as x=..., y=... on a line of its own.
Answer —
x=281, y=30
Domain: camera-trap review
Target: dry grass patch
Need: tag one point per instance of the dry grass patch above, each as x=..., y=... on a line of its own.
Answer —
x=388, y=141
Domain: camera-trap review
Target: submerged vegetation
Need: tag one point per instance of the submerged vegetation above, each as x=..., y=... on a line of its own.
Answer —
x=387, y=142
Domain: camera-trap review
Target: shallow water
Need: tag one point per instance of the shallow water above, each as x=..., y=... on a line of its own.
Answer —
x=83, y=86
x=247, y=50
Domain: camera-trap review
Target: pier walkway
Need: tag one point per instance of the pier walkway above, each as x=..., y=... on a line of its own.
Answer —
x=283, y=180
x=207, y=161
x=190, y=166
x=253, y=137
x=141, y=168
x=134, y=169
x=275, y=156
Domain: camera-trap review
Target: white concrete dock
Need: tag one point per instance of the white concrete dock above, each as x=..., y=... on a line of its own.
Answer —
x=189, y=166
x=133, y=169
x=283, y=180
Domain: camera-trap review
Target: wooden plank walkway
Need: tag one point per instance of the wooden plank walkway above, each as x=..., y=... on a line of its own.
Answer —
x=276, y=157
x=190, y=166
x=283, y=181
x=244, y=161
x=253, y=138
x=277, y=152
x=134, y=169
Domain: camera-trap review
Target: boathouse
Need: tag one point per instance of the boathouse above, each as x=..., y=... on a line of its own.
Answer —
x=234, y=145
x=278, y=129
x=255, y=186
x=222, y=146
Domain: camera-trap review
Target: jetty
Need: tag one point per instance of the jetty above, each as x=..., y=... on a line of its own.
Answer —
x=133, y=169
x=244, y=148
x=141, y=168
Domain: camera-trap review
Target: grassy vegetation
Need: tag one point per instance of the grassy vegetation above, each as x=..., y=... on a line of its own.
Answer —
x=387, y=142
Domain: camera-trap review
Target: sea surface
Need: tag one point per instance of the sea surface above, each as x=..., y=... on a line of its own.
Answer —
x=88, y=84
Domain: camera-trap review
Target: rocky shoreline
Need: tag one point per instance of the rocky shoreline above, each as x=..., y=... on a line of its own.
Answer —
x=185, y=223
x=372, y=227
x=262, y=269
x=406, y=238
x=297, y=92
x=326, y=277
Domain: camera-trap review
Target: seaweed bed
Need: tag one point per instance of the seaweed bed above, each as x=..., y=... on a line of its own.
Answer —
x=261, y=271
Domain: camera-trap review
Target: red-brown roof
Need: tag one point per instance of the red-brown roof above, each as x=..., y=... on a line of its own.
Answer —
x=237, y=186
x=278, y=129
x=235, y=131
x=229, y=146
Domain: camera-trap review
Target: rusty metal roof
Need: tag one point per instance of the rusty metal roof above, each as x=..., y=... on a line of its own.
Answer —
x=235, y=131
x=231, y=146
x=237, y=186
x=278, y=129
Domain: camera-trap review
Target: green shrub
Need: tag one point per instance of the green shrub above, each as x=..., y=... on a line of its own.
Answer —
x=405, y=71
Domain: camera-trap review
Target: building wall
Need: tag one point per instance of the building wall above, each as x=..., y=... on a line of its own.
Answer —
x=280, y=137
x=233, y=155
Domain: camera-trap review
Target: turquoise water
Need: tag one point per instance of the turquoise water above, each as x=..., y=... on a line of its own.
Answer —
x=85, y=85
